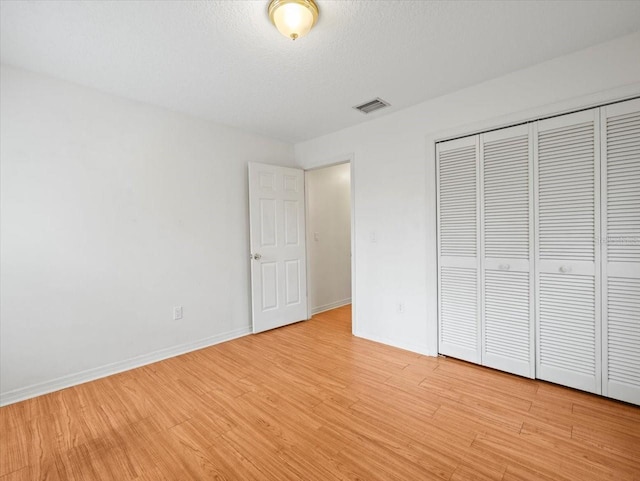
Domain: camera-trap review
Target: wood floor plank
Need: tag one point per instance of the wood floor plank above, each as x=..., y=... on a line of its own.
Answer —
x=559, y=463
x=613, y=441
x=310, y=401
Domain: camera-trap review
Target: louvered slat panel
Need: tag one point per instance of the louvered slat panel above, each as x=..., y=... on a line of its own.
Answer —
x=567, y=330
x=623, y=188
x=458, y=235
x=458, y=307
x=458, y=202
x=506, y=314
x=566, y=228
x=623, y=330
x=568, y=314
x=506, y=198
x=621, y=250
x=506, y=222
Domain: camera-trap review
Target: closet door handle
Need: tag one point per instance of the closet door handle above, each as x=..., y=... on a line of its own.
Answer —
x=565, y=269
x=504, y=267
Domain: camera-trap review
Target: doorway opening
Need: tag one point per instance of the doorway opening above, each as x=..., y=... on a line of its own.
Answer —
x=329, y=238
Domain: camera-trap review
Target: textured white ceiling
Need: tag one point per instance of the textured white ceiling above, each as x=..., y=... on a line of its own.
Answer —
x=224, y=61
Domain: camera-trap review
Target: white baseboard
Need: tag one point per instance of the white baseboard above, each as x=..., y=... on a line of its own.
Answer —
x=407, y=346
x=328, y=307
x=63, y=382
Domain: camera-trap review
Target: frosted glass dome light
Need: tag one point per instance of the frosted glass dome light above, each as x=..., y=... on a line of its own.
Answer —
x=293, y=18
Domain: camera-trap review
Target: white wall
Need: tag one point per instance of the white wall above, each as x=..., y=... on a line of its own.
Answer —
x=394, y=175
x=329, y=244
x=112, y=213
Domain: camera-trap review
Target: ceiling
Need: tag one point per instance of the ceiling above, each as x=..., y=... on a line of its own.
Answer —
x=224, y=61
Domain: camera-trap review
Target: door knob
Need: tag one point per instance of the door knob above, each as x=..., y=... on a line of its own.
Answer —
x=256, y=257
x=504, y=267
x=565, y=269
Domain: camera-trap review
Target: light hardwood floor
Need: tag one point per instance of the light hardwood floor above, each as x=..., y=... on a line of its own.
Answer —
x=311, y=402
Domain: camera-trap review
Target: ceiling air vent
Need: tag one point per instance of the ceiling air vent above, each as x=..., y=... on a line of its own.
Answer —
x=372, y=105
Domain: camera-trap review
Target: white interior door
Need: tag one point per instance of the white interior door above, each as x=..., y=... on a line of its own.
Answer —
x=621, y=250
x=568, y=327
x=458, y=248
x=507, y=250
x=278, y=257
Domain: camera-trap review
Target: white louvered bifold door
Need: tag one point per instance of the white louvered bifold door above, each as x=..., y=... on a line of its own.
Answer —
x=458, y=240
x=568, y=327
x=507, y=250
x=620, y=127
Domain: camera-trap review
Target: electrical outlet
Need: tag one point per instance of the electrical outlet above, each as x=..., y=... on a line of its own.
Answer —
x=400, y=307
x=316, y=236
x=373, y=237
x=177, y=313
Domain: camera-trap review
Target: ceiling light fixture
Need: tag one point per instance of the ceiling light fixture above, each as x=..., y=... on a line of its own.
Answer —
x=293, y=18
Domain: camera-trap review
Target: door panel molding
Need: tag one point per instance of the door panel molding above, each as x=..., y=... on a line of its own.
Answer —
x=278, y=247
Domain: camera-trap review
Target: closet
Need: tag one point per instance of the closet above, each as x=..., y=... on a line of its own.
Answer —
x=539, y=249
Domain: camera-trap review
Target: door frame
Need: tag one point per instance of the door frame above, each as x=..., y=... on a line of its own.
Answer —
x=342, y=159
